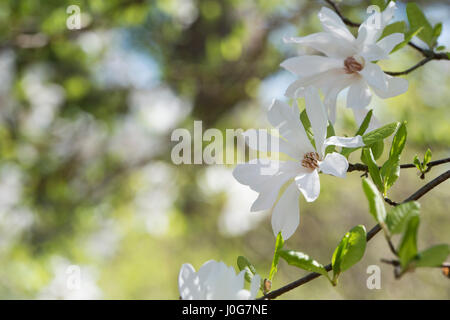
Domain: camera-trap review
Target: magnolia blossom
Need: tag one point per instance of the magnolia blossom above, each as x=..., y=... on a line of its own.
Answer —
x=301, y=174
x=346, y=61
x=215, y=281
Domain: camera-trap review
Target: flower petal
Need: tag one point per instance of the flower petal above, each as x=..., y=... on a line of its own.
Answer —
x=374, y=76
x=359, y=95
x=261, y=140
x=286, y=215
x=329, y=44
x=333, y=24
x=287, y=120
x=389, y=42
x=317, y=116
x=347, y=142
x=395, y=87
x=335, y=164
x=309, y=185
x=188, y=284
x=305, y=66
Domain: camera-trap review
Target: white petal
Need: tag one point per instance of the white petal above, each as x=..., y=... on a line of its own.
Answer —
x=305, y=66
x=286, y=215
x=348, y=142
x=269, y=192
x=252, y=173
x=359, y=95
x=335, y=164
x=254, y=286
x=373, y=52
x=333, y=24
x=287, y=120
x=317, y=116
x=388, y=43
x=309, y=185
x=374, y=76
x=327, y=43
x=261, y=140
x=188, y=284
x=395, y=87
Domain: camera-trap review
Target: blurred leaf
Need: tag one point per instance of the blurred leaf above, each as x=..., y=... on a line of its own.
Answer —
x=307, y=125
x=408, y=245
x=433, y=257
x=349, y=251
x=244, y=264
x=398, y=217
x=376, y=203
x=362, y=128
x=408, y=36
x=377, y=149
x=330, y=133
x=396, y=27
x=418, y=20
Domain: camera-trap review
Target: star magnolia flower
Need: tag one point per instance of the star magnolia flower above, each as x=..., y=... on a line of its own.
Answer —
x=301, y=174
x=348, y=62
x=215, y=281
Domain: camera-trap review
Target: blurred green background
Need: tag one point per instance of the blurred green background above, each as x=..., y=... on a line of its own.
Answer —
x=86, y=177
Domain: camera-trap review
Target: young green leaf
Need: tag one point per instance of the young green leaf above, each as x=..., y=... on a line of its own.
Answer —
x=330, y=133
x=398, y=217
x=426, y=159
x=390, y=171
x=279, y=243
x=377, y=149
x=380, y=133
x=380, y=3
x=374, y=171
x=433, y=257
x=417, y=163
x=399, y=141
x=408, y=36
x=244, y=264
x=407, y=250
x=303, y=261
x=416, y=20
x=376, y=204
x=349, y=251
x=396, y=27
x=362, y=128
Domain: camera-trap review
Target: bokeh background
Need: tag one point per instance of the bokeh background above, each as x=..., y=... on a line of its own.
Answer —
x=86, y=177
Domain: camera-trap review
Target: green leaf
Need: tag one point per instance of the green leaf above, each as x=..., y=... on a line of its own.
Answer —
x=376, y=204
x=380, y=133
x=279, y=243
x=396, y=27
x=303, y=261
x=440, y=48
x=433, y=257
x=399, y=141
x=330, y=133
x=437, y=30
x=426, y=158
x=416, y=20
x=244, y=264
x=390, y=171
x=377, y=149
x=307, y=125
x=398, y=217
x=408, y=245
x=380, y=3
x=349, y=251
x=408, y=36
x=362, y=128
x=417, y=163
x=374, y=171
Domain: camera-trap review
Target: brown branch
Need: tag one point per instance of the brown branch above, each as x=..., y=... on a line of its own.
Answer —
x=428, y=54
x=362, y=167
x=372, y=232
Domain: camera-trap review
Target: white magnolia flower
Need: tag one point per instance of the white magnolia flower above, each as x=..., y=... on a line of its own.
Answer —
x=215, y=281
x=347, y=62
x=301, y=174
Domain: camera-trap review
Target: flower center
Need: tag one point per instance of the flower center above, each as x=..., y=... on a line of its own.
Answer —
x=311, y=160
x=353, y=64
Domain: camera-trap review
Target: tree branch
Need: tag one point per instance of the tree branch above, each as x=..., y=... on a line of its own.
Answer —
x=362, y=167
x=428, y=54
x=372, y=232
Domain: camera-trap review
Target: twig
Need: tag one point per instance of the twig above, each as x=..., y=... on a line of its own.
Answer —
x=372, y=232
x=364, y=168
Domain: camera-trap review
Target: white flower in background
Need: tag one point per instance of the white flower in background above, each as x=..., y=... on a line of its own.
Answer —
x=215, y=281
x=348, y=62
x=301, y=174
